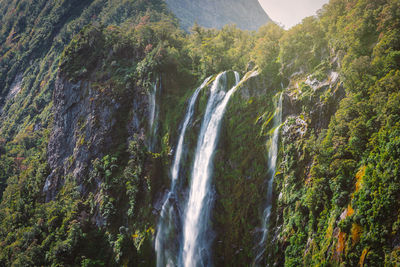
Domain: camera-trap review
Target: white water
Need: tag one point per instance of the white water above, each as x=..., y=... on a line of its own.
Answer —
x=165, y=249
x=154, y=110
x=272, y=159
x=152, y=103
x=189, y=114
x=195, y=250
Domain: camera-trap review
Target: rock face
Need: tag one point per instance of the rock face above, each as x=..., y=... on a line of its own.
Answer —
x=246, y=14
x=88, y=124
x=322, y=110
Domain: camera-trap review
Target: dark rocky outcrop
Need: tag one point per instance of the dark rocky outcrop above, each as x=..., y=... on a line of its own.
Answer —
x=318, y=105
x=88, y=124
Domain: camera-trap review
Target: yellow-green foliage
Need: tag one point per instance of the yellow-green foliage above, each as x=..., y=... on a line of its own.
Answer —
x=353, y=169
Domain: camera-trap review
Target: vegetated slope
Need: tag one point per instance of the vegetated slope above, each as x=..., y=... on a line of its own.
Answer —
x=32, y=38
x=245, y=14
x=336, y=192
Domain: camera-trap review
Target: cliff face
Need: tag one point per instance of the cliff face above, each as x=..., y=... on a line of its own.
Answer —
x=246, y=14
x=88, y=125
x=303, y=118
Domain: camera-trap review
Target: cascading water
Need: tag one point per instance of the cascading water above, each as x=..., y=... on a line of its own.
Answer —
x=165, y=243
x=153, y=114
x=195, y=247
x=272, y=159
x=178, y=154
x=152, y=102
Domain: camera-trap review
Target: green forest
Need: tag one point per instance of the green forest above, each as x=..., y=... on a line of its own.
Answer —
x=91, y=64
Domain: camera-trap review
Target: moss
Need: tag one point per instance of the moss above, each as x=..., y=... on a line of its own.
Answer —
x=239, y=172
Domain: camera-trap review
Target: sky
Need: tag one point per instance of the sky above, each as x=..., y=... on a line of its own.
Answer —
x=291, y=12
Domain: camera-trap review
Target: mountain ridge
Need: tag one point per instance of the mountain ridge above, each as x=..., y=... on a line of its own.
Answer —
x=245, y=14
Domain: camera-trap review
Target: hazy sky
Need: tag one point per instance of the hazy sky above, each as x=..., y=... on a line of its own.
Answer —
x=291, y=12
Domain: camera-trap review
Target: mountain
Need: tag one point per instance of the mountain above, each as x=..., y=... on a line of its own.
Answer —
x=126, y=141
x=245, y=14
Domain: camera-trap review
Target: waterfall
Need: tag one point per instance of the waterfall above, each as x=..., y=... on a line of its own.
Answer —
x=195, y=247
x=152, y=103
x=272, y=159
x=153, y=114
x=189, y=114
x=165, y=244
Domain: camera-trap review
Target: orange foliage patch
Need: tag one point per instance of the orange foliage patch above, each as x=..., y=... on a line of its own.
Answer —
x=341, y=242
x=347, y=212
x=356, y=231
x=359, y=176
x=363, y=256
x=350, y=211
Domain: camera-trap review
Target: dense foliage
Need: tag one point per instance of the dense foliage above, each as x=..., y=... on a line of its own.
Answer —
x=346, y=208
x=337, y=191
